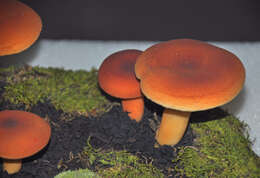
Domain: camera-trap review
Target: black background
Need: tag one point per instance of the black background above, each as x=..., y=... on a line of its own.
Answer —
x=229, y=20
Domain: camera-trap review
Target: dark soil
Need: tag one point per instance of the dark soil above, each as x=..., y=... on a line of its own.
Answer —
x=112, y=130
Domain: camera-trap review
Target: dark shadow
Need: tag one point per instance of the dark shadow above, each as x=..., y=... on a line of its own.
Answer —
x=199, y=116
x=37, y=155
x=22, y=58
x=153, y=107
x=109, y=97
x=208, y=115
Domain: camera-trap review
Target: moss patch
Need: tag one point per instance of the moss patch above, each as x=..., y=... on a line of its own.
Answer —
x=221, y=149
x=70, y=91
x=81, y=173
x=118, y=164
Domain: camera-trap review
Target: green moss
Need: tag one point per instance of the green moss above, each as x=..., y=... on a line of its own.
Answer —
x=81, y=173
x=9, y=69
x=118, y=164
x=66, y=89
x=221, y=150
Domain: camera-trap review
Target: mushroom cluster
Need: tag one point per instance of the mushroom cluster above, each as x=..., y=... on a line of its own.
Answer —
x=22, y=134
x=182, y=75
x=187, y=75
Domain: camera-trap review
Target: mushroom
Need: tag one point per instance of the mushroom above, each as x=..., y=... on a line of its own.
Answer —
x=20, y=27
x=187, y=75
x=22, y=134
x=116, y=77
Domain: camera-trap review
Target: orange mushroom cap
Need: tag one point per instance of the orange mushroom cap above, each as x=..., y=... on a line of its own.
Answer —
x=20, y=26
x=116, y=74
x=189, y=75
x=22, y=134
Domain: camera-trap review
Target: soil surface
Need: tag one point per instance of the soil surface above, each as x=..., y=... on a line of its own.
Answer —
x=112, y=130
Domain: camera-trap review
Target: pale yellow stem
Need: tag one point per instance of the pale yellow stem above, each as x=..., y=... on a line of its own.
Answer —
x=12, y=166
x=172, y=127
x=134, y=107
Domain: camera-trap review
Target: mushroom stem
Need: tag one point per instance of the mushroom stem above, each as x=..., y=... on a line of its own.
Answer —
x=12, y=166
x=172, y=127
x=134, y=107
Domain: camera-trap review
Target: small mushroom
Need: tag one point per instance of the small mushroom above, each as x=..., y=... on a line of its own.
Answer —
x=22, y=134
x=117, y=78
x=187, y=75
x=20, y=27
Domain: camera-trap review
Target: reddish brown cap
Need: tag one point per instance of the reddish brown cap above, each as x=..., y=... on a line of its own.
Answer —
x=20, y=27
x=116, y=74
x=189, y=75
x=22, y=134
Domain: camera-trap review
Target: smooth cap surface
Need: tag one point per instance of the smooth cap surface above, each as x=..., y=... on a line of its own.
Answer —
x=116, y=74
x=189, y=75
x=22, y=134
x=20, y=26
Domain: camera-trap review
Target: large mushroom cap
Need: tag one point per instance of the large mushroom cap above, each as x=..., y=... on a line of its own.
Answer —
x=189, y=75
x=22, y=134
x=20, y=27
x=116, y=74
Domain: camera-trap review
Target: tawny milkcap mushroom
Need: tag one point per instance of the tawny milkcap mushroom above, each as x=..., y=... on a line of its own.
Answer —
x=22, y=134
x=184, y=76
x=20, y=27
x=117, y=78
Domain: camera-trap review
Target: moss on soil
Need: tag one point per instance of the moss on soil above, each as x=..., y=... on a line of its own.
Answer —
x=71, y=91
x=119, y=164
x=221, y=149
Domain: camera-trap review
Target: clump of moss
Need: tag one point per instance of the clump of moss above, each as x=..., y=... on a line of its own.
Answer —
x=221, y=150
x=81, y=173
x=66, y=89
x=118, y=164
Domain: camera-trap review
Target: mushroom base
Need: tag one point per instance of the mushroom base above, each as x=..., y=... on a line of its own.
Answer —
x=12, y=166
x=172, y=127
x=134, y=107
